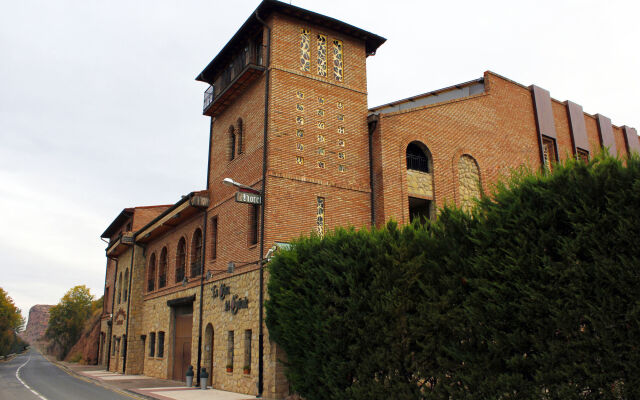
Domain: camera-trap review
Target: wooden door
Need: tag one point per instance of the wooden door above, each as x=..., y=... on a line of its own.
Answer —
x=182, y=342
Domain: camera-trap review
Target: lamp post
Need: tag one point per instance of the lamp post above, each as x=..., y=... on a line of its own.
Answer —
x=247, y=194
x=231, y=182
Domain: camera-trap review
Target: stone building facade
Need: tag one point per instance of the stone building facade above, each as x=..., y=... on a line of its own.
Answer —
x=289, y=121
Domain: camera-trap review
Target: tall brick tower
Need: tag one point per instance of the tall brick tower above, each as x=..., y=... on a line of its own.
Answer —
x=311, y=70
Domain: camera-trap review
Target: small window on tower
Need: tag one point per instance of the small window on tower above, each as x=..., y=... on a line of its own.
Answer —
x=582, y=155
x=548, y=153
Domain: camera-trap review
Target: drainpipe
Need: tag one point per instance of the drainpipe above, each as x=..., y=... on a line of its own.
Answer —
x=372, y=127
x=264, y=195
x=113, y=304
x=202, y=255
x=126, y=329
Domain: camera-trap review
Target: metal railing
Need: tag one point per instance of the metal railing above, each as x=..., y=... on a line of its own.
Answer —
x=250, y=54
x=208, y=97
x=417, y=163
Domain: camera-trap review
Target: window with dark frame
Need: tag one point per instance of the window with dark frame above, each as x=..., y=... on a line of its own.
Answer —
x=230, y=345
x=196, y=253
x=162, y=273
x=419, y=209
x=548, y=153
x=181, y=260
x=120, y=288
x=214, y=237
x=254, y=217
x=239, y=135
x=232, y=143
x=151, y=276
x=160, y=352
x=582, y=155
x=126, y=285
x=247, y=349
x=417, y=160
x=152, y=344
x=113, y=346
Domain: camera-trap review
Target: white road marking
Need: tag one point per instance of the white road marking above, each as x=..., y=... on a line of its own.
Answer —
x=23, y=382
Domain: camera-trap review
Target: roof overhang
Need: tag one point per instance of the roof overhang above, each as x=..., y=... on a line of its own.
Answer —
x=117, y=223
x=267, y=7
x=119, y=246
x=190, y=205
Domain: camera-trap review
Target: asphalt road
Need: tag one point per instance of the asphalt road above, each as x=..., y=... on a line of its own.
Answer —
x=30, y=376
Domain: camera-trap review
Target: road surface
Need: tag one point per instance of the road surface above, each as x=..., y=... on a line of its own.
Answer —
x=30, y=376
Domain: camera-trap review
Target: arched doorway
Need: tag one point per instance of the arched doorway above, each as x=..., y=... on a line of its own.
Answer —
x=209, y=352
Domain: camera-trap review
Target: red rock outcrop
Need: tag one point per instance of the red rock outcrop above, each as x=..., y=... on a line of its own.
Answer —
x=37, y=324
x=85, y=351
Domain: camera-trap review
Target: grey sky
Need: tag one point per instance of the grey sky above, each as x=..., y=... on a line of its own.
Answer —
x=99, y=109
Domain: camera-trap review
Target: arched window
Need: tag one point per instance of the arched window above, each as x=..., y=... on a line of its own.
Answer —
x=162, y=273
x=120, y=288
x=239, y=135
x=181, y=260
x=151, y=273
x=418, y=158
x=232, y=143
x=196, y=253
x=126, y=285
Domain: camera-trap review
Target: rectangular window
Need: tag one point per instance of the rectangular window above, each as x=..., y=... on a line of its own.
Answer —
x=247, y=351
x=124, y=345
x=160, y=344
x=230, y=350
x=113, y=346
x=214, y=237
x=320, y=217
x=582, y=155
x=152, y=344
x=419, y=209
x=305, y=50
x=322, y=55
x=548, y=153
x=254, y=218
x=337, y=60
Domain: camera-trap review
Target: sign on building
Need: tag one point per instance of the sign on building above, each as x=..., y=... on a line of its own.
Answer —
x=250, y=198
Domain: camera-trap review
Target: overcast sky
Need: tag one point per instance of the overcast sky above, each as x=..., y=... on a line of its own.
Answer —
x=99, y=109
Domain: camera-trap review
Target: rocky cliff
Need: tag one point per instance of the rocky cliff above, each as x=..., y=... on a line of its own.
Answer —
x=37, y=324
x=85, y=351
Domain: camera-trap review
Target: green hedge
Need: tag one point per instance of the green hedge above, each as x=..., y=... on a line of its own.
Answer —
x=534, y=296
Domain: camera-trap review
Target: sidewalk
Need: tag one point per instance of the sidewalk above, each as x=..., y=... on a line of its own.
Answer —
x=144, y=387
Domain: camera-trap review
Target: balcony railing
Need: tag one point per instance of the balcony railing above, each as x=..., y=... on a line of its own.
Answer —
x=238, y=73
x=417, y=163
x=208, y=97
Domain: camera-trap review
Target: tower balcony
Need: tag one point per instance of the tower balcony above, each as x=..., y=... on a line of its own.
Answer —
x=244, y=68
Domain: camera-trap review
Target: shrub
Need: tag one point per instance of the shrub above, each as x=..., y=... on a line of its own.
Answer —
x=535, y=295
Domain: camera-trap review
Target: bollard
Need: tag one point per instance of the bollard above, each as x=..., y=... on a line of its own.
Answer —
x=190, y=376
x=204, y=378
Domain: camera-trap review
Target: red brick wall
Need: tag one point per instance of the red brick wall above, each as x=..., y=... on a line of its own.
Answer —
x=170, y=240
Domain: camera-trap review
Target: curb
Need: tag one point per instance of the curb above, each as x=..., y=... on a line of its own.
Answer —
x=96, y=382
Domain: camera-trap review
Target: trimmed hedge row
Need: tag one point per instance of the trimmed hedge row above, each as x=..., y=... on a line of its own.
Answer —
x=536, y=295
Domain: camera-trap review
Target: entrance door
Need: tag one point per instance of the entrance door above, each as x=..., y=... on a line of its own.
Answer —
x=182, y=342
